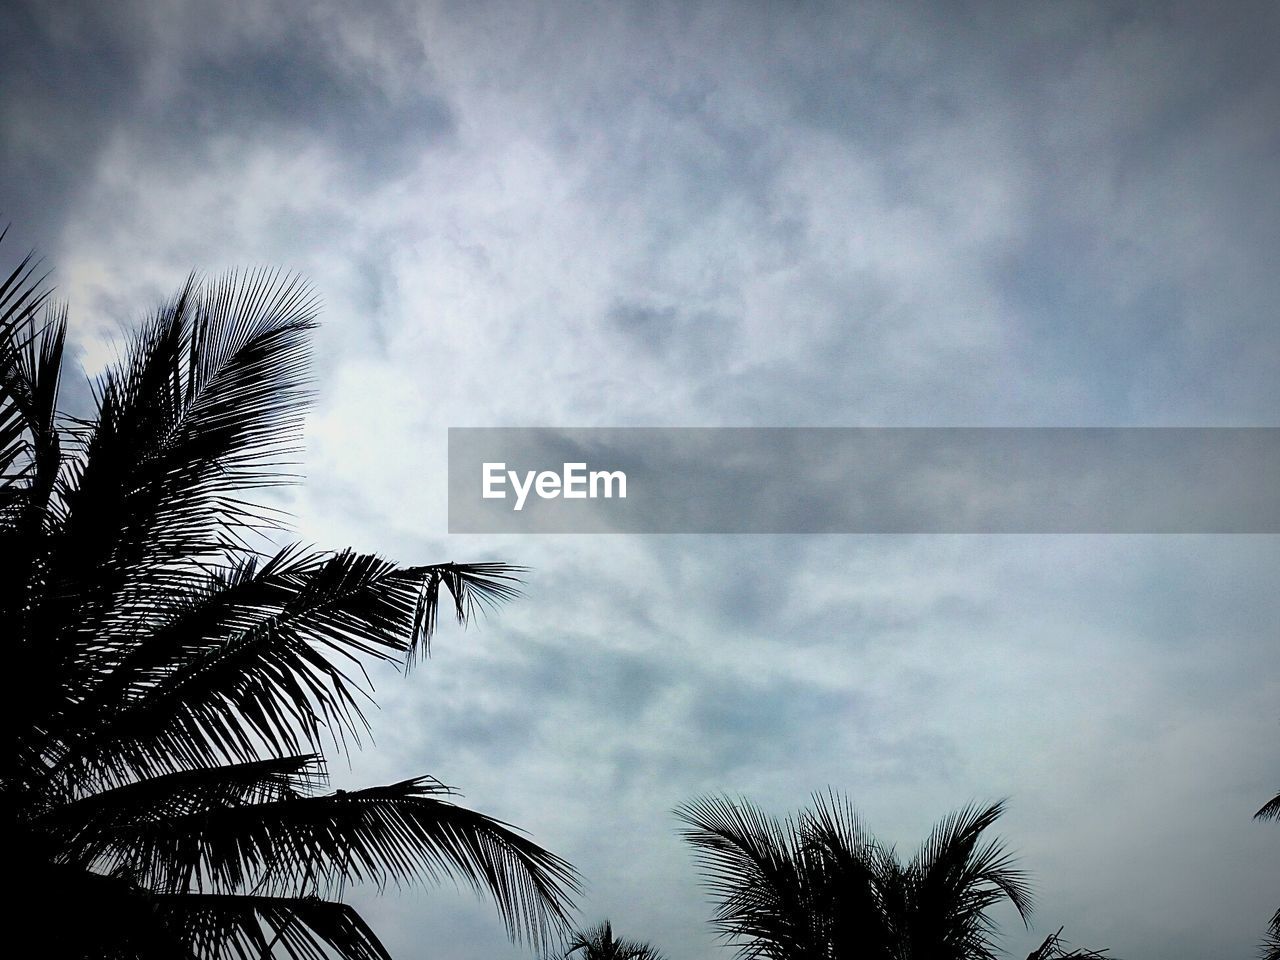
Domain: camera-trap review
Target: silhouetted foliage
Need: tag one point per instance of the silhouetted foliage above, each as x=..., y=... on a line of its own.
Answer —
x=817, y=886
x=1271, y=944
x=170, y=687
x=1056, y=948
x=1270, y=810
x=599, y=943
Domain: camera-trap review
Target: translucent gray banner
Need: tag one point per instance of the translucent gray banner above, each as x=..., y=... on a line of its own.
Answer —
x=864, y=480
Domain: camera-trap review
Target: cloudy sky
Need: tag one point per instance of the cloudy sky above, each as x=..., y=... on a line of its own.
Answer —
x=741, y=214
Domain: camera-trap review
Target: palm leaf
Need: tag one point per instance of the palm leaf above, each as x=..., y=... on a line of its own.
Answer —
x=1270, y=810
x=206, y=406
x=847, y=868
x=247, y=927
x=956, y=879
x=398, y=833
x=30, y=445
x=89, y=828
x=754, y=866
x=262, y=665
x=1271, y=943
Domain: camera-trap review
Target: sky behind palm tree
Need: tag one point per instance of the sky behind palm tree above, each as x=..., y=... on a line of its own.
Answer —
x=740, y=214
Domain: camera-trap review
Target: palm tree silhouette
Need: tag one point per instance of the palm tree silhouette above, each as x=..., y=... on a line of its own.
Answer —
x=599, y=943
x=171, y=688
x=1271, y=944
x=818, y=887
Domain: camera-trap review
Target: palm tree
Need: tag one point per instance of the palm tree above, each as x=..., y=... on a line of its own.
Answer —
x=1271, y=944
x=819, y=887
x=598, y=943
x=171, y=687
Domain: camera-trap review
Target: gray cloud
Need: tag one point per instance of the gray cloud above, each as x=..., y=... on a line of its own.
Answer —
x=69, y=71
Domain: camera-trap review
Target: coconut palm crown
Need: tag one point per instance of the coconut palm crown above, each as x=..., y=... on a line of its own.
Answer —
x=599, y=943
x=819, y=887
x=171, y=688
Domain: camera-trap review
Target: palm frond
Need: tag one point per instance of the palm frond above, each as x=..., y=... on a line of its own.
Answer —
x=754, y=865
x=474, y=588
x=286, y=669
x=24, y=377
x=1270, y=810
x=955, y=859
x=266, y=670
x=1271, y=942
x=30, y=444
x=398, y=833
x=251, y=927
x=30, y=460
x=203, y=615
x=21, y=292
x=956, y=878
x=89, y=828
x=206, y=405
x=30, y=447
x=847, y=870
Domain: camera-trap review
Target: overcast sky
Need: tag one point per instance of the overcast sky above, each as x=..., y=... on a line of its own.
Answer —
x=751, y=214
